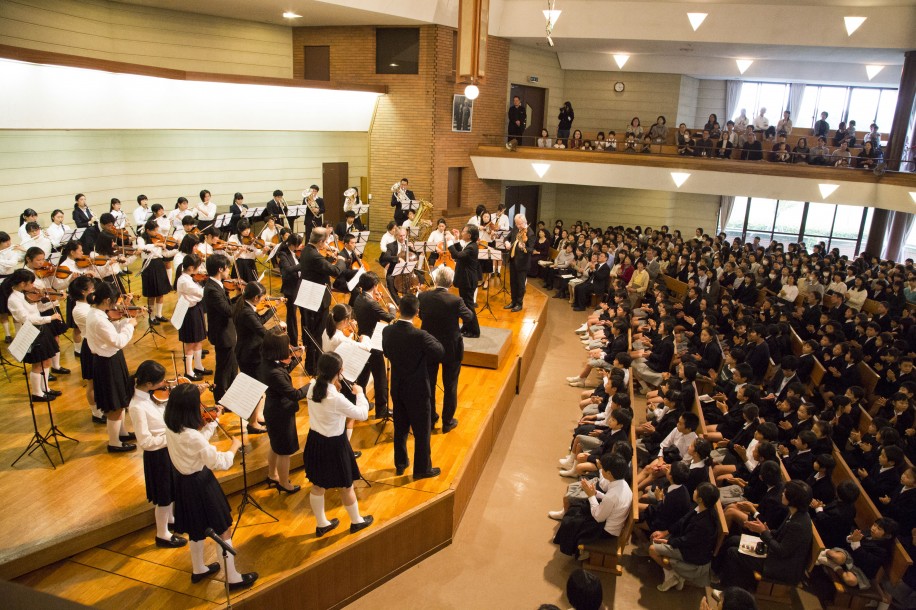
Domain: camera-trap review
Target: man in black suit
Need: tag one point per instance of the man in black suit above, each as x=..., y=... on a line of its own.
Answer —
x=409, y=349
x=519, y=260
x=313, y=219
x=350, y=224
x=440, y=311
x=518, y=119
x=396, y=252
x=350, y=257
x=220, y=327
x=464, y=252
x=314, y=267
x=595, y=284
x=368, y=312
x=399, y=197
x=276, y=207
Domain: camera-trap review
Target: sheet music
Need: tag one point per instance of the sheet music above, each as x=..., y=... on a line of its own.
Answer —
x=25, y=336
x=243, y=395
x=360, y=209
x=295, y=211
x=253, y=212
x=310, y=295
x=222, y=220
x=54, y=258
x=354, y=359
x=359, y=248
x=74, y=235
x=375, y=341
x=181, y=310
x=351, y=285
x=362, y=237
x=406, y=206
x=273, y=252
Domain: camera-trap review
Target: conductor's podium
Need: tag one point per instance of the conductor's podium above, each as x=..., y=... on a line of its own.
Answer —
x=489, y=349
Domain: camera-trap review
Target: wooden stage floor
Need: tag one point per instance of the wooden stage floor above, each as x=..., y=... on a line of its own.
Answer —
x=84, y=531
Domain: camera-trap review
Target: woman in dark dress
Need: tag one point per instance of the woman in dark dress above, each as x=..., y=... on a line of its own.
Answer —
x=541, y=252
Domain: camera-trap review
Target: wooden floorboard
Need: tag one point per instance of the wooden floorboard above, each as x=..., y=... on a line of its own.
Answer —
x=83, y=531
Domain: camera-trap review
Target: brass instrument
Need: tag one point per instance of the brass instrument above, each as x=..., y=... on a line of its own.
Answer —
x=422, y=221
x=349, y=199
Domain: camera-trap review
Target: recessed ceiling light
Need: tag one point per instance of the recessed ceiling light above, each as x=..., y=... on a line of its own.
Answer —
x=827, y=189
x=913, y=196
x=551, y=17
x=743, y=64
x=696, y=20
x=679, y=178
x=291, y=15
x=621, y=59
x=853, y=23
x=540, y=168
x=872, y=71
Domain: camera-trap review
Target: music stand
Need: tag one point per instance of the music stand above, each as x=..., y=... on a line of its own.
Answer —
x=222, y=222
x=500, y=244
x=150, y=331
x=488, y=254
x=246, y=497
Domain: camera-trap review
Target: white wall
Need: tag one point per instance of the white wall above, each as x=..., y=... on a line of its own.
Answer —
x=154, y=37
x=710, y=100
x=44, y=169
x=527, y=61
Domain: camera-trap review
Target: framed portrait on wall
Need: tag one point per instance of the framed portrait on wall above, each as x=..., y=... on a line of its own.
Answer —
x=462, y=113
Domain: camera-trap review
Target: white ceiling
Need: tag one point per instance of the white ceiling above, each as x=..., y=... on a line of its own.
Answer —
x=787, y=39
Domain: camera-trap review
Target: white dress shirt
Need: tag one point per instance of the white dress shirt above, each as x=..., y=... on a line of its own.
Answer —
x=329, y=344
x=81, y=314
x=190, y=450
x=206, y=211
x=387, y=238
x=104, y=337
x=141, y=215
x=56, y=232
x=23, y=311
x=120, y=219
x=192, y=292
x=676, y=439
x=9, y=261
x=614, y=507
x=149, y=425
x=329, y=417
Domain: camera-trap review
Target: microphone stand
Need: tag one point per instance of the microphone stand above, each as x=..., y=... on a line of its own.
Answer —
x=227, y=550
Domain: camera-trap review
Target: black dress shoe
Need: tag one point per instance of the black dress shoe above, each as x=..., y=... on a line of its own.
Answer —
x=61, y=371
x=382, y=414
x=432, y=472
x=558, y=296
x=321, y=531
x=51, y=377
x=248, y=579
x=271, y=483
x=449, y=426
x=357, y=455
x=516, y=308
x=212, y=569
x=576, y=308
x=99, y=420
x=204, y=352
x=290, y=491
x=124, y=448
x=434, y=419
x=55, y=393
x=252, y=430
x=8, y=339
x=153, y=322
x=172, y=543
x=37, y=398
x=194, y=378
x=130, y=436
x=367, y=521
x=509, y=306
x=203, y=371
x=161, y=319
x=399, y=470
x=469, y=334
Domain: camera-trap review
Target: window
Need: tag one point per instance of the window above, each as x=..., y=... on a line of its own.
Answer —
x=735, y=225
x=863, y=105
x=397, y=50
x=755, y=96
x=760, y=216
x=886, y=108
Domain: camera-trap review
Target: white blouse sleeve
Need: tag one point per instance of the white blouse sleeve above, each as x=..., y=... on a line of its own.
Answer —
x=22, y=312
x=146, y=440
x=208, y=454
x=359, y=411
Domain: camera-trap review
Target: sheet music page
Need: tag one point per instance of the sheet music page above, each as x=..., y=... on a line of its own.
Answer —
x=310, y=295
x=21, y=344
x=362, y=237
x=181, y=310
x=354, y=359
x=54, y=258
x=351, y=285
x=359, y=247
x=273, y=253
x=375, y=341
x=360, y=209
x=243, y=395
x=405, y=206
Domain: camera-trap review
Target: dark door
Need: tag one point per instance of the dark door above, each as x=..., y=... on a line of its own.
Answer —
x=533, y=99
x=523, y=200
x=334, y=178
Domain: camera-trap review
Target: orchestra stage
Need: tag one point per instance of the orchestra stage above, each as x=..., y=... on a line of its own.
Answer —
x=83, y=531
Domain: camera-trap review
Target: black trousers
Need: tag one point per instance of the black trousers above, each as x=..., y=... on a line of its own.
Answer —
x=313, y=322
x=467, y=295
x=517, y=279
x=376, y=367
x=450, y=372
x=737, y=569
x=583, y=293
x=226, y=370
x=292, y=324
x=411, y=414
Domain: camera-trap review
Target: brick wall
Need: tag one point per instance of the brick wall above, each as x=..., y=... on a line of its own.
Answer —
x=411, y=133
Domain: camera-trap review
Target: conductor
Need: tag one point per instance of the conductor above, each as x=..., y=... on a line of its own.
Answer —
x=467, y=273
x=409, y=349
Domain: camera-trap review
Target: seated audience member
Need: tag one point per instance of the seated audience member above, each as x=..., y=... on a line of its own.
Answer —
x=841, y=157
x=884, y=477
x=731, y=598
x=868, y=157
x=658, y=133
x=611, y=143
x=820, y=154
x=821, y=127
x=672, y=449
x=801, y=151
x=857, y=561
x=752, y=149
x=683, y=140
x=841, y=134
x=784, y=125
x=704, y=145
x=873, y=136
x=780, y=153
x=761, y=122
x=646, y=147
x=545, y=141
x=900, y=504
x=833, y=519
x=584, y=591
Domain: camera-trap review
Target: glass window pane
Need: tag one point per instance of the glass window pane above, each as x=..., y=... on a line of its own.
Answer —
x=863, y=104
x=785, y=238
x=748, y=100
x=868, y=215
x=789, y=217
x=886, y=109
x=804, y=116
x=735, y=222
x=847, y=247
x=773, y=98
x=832, y=101
x=848, y=221
x=760, y=217
x=811, y=241
x=820, y=219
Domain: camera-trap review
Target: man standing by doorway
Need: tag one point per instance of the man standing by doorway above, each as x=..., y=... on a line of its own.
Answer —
x=518, y=120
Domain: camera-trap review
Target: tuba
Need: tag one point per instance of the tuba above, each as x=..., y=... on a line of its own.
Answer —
x=349, y=199
x=422, y=220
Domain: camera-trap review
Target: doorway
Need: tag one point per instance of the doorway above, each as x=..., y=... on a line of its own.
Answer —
x=533, y=100
x=523, y=200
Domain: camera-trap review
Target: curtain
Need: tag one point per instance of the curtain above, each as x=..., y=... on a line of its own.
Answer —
x=796, y=91
x=732, y=93
x=726, y=203
x=901, y=223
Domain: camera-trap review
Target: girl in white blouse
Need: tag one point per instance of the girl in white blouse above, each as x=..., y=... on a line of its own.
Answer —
x=147, y=415
x=341, y=328
x=114, y=208
x=43, y=348
x=789, y=291
x=855, y=296
x=28, y=215
x=440, y=235
x=328, y=457
x=79, y=291
x=206, y=210
x=837, y=286
x=192, y=331
x=246, y=255
x=57, y=228
x=200, y=503
x=176, y=217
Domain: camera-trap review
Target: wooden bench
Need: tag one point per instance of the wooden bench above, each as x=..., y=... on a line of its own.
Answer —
x=869, y=380
x=675, y=286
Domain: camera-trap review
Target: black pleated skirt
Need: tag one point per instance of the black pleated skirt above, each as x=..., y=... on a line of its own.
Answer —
x=157, y=471
x=87, y=360
x=246, y=270
x=192, y=329
x=43, y=347
x=281, y=430
x=111, y=381
x=329, y=462
x=200, y=503
x=57, y=327
x=71, y=323
x=155, y=279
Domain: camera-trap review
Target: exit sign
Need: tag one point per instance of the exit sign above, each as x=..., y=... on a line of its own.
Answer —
x=532, y=79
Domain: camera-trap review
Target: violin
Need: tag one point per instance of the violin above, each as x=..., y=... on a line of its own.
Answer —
x=194, y=231
x=119, y=312
x=45, y=270
x=41, y=295
x=121, y=235
x=170, y=243
x=251, y=240
x=351, y=330
x=104, y=260
x=219, y=244
x=234, y=284
x=200, y=277
x=161, y=395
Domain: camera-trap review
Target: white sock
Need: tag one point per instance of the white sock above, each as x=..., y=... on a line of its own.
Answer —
x=114, y=431
x=123, y=429
x=47, y=376
x=199, y=359
x=232, y=575
x=162, y=522
x=317, y=504
x=197, y=556
x=353, y=511
x=172, y=512
x=189, y=363
x=76, y=348
x=96, y=411
x=37, y=383
x=157, y=309
x=349, y=433
x=55, y=361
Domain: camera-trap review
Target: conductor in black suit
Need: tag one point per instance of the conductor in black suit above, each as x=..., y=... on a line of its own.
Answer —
x=313, y=219
x=440, y=311
x=402, y=195
x=519, y=244
x=314, y=267
x=349, y=225
x=409, y=349
x=464, y=251
x=276, y=207
x=220, y=328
